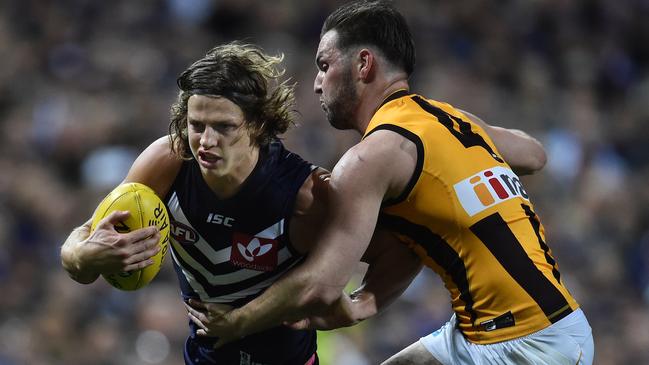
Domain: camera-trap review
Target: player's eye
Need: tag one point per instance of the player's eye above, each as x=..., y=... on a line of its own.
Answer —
x=226, y=128
x=196, y=126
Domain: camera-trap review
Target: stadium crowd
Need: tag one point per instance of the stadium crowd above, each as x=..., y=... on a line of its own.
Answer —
x=84, y=85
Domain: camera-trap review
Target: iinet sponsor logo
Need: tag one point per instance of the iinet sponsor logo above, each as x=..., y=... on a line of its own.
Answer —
x=488, y=188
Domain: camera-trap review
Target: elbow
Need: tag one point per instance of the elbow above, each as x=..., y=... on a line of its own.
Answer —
x=538, y=160
x=535, y=161
x=74, y=271
x=81, y=279
x=78, y=276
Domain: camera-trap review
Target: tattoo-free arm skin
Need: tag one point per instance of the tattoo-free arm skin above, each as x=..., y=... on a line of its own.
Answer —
x=522, y=152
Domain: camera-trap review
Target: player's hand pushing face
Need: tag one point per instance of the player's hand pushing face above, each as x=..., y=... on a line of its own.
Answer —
x=107, y=251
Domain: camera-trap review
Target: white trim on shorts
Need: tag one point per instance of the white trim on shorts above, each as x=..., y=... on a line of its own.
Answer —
x=568, y=341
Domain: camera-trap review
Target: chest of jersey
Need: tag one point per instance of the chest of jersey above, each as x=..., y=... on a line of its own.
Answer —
x=228, y=250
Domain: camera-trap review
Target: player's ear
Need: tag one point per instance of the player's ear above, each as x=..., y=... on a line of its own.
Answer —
x=365, y=64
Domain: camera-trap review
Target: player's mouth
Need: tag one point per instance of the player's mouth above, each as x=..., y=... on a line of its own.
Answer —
x=208, y=160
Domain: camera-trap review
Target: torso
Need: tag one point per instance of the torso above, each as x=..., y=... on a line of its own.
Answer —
x=229, y=250
x=468, y=217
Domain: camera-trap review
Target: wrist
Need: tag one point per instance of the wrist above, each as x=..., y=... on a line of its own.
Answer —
x=346, y=312
x=236, y=321
x=362, y=306
x=74, y=264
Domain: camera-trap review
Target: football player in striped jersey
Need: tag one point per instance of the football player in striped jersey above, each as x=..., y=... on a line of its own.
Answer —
x=433, y=175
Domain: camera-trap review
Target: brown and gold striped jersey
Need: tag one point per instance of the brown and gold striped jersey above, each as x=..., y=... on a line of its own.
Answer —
x=468, y=216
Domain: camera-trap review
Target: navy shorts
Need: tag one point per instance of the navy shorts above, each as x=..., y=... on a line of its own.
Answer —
x=277, y=346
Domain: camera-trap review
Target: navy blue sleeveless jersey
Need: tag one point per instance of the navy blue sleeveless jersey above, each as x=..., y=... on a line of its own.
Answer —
x=229, y=250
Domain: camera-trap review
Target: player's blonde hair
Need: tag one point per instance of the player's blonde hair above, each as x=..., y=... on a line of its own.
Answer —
x=248, y=77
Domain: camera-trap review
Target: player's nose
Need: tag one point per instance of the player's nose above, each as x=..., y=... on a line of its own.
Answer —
x=209, y=138
x=317, y=83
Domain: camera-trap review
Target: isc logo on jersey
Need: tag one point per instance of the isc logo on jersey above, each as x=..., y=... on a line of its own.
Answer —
x=488, y=188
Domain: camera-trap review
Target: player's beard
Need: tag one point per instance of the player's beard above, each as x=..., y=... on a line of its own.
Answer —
x=340, y=110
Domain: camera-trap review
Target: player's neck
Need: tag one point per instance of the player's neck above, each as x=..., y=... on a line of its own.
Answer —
x=227, y=185
x=372, y=98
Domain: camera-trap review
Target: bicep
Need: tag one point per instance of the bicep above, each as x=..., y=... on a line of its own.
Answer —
x=354, y=196
x=521, y=151
x=156, y=167
x=309, y=211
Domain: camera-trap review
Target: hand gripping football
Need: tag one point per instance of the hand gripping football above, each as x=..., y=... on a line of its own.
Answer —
x=146, y=210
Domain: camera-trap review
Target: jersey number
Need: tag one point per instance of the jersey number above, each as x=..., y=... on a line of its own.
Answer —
x=465, y=135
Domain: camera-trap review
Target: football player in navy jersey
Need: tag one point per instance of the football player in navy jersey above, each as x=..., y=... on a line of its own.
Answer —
x=243, y=209
x=237, y=201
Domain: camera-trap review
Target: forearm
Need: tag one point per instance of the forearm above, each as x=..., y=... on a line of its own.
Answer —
x=70, y=260
x=297, y=295
x=380, y=289
x=392, y=267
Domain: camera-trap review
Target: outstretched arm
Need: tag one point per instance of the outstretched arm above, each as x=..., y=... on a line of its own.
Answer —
x=69, y=256
x=521, y=151
x=392, y=267
x=357, y=187
x=86, y=255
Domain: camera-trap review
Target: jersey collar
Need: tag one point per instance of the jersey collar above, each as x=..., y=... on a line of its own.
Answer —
x=395, y=95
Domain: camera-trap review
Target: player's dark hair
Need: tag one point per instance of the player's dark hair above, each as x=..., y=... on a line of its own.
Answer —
x=248, y=77
x=375, y=23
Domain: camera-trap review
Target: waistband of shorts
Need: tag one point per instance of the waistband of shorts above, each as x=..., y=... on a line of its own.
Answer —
x=573, y=315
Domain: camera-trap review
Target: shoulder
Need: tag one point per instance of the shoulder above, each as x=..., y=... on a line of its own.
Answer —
x=156, y=167
x=383, y=161
x=312, y=194
x=310, y=210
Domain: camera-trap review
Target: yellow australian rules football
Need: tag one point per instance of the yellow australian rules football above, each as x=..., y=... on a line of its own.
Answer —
x=146, y=210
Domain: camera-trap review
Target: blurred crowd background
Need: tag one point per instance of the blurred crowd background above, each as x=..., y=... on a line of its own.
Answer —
x=86, y=85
